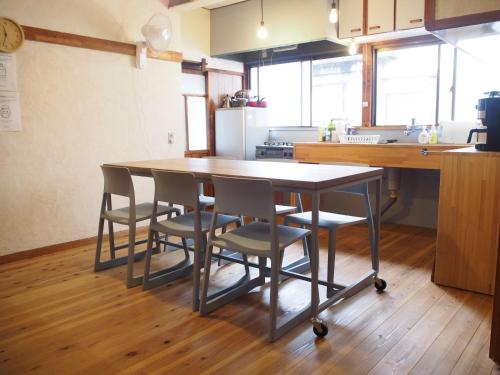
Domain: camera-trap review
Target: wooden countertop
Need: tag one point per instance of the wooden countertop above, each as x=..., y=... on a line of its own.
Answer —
x=444, y=146
x=400, y=155
x=473, y=151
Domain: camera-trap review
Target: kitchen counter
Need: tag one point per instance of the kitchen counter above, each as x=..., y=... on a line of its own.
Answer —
x=399, y=155
x=469, y=220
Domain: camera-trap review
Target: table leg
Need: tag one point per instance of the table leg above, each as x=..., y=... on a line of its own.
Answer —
x=376, y=239
x=314, y=255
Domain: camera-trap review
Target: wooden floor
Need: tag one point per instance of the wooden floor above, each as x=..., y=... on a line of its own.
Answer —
x=59, y=317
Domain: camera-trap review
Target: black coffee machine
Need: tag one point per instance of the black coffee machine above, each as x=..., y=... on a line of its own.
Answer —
x=488, y=111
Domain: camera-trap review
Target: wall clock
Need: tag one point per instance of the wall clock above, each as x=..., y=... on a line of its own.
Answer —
x=11, y=35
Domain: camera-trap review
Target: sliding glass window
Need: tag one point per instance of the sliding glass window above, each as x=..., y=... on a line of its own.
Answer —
x=337, y=90
x=406, y=85
x=311, y=92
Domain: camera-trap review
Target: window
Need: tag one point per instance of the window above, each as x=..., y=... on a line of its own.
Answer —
x=406, y=85
x=281, y=86
x=196, y=122
x=195, y=111
x=337, y=89
x=431, y=83
x=311, y=92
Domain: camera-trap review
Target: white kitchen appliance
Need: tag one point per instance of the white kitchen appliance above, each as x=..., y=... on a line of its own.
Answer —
x=239, y=130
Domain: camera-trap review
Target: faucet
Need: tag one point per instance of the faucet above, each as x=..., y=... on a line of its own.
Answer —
x=411, y=128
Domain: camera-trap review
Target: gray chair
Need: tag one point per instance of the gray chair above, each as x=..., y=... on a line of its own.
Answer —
x=283, y=209
x=180, y=188
x=262, y=239
x=331, y=221
x=118, y=181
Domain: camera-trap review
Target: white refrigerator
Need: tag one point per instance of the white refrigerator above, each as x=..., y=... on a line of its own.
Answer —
x=239, y=130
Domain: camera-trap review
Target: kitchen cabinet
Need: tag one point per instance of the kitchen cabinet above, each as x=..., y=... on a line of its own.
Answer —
x=468, y=220
x=350, y=18
x=380, y=15
x=409, y=14
x=446, y=14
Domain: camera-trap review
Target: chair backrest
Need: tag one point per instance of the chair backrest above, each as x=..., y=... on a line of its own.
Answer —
x=244, y=196
x=176, y=187
x=117, y=180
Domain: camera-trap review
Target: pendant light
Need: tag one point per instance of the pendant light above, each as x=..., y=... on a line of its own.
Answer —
x=334, y=16
x=262, y=30
x=353, y=48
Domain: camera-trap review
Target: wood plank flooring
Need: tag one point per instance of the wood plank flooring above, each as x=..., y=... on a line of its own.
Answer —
x=59, y=317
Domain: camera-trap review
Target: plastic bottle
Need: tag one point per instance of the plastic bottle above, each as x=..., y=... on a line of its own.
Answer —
x=433, y=138
x=423, y=137
x=321, y=134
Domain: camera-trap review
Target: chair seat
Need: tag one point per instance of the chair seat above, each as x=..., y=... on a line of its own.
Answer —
x=326, y=219
x=254, y=238
x=183, y=225
x=206, y=201
x=282, y=210
x=143, y=211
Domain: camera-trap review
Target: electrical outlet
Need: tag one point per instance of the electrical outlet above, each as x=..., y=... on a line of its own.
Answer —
x=170, y=138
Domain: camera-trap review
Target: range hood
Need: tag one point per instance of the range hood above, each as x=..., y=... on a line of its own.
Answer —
x=480, y=41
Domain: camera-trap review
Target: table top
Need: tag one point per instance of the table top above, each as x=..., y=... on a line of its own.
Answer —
x=281, y=175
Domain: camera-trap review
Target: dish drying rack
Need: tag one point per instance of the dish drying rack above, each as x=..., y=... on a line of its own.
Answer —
x=358, y=139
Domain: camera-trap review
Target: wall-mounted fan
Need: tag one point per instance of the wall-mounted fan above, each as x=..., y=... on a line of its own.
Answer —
x=158, y=33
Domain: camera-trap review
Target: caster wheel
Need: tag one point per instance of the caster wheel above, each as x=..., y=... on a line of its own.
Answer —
x=322, y=331
x=380, y=285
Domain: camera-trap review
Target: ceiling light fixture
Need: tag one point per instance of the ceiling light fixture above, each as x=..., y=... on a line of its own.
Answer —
x=262, y=30
x=334, y=16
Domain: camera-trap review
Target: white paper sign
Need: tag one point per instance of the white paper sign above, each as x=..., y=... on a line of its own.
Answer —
x=10, y=114
x=8, y=79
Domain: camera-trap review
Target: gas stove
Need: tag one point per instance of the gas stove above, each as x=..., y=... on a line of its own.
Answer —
x=279, y=144
x=274, y=150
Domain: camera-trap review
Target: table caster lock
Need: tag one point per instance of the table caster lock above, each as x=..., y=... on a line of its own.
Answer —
x=320, y=328
x=380, y=284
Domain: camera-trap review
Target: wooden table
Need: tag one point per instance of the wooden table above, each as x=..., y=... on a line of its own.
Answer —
x=302, y=178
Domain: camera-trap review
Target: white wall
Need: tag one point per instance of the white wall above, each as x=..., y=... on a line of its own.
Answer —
x=81, y=108
x=234, y=27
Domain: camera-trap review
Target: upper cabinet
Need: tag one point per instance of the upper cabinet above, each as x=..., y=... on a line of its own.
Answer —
x=409, y=14
x=367, y=17
x=350, y=18
x=380, y=14
x=447, y=14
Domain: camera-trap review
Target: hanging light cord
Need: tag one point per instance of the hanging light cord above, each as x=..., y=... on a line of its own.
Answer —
x=261, y=12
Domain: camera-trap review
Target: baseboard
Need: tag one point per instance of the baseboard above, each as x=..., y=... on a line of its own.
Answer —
x=45, y=250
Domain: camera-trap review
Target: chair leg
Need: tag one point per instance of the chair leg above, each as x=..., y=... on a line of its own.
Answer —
x=219, y=261
x=206, y=280
x=331, y=261
x=111, y=240
x=245, y=263
x=149, y=253
x=157, y=242
x=184, y=246
x=275, y=269
x=99, y=245
x=262, y=270
x=198, y=253
x=131, y=280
